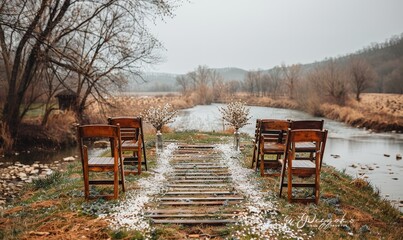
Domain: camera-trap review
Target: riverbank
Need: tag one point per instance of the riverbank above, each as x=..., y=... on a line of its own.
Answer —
x=377, y=112
x=54, y=207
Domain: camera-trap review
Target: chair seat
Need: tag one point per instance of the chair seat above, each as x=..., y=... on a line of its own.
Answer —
x=303, y=164
x=305, y=146
x=129, y=144
x=101, y=161
x=273, y=147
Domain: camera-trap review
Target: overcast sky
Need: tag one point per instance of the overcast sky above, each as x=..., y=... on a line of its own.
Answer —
x=260, y=34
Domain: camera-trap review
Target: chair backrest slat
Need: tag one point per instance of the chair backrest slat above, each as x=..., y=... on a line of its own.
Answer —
x=274, y=129
x=307, y=124
x=92, y=131
x=130, y=127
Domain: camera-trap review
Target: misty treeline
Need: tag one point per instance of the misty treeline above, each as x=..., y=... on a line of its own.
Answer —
x=86, y=47
x=377, y=69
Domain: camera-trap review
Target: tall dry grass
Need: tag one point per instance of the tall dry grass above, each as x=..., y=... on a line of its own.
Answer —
x=379, y=112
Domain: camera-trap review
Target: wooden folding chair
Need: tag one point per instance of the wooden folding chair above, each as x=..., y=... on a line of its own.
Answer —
x=112, y=163
x=306, y=147
x=305, y=168
x=131, y=129
x=271, y=142
x=255, y=155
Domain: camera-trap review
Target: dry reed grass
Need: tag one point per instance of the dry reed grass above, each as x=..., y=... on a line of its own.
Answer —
x=379, y=112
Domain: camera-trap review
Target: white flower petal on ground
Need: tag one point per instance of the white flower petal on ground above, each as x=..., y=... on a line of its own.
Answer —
x=261, y=217
x=129, y=213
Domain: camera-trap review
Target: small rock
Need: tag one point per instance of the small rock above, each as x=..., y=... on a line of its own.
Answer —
x=353, y=166
x=338, y=211
x=22, y=175
x=332, y=201
x=335, y=155
x=101, y=144
x=395, y=178
x=386, y=155
x=371, y=168
x=398, y=156
x=69, y=159
x=364, y=229
x=346, y=228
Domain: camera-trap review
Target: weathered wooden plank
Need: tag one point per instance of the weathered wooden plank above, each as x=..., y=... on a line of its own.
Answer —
x=190, y=177
x=229, y=198
x=195, y=215
x=210, y=210
x=198, y=221
x=201, y=203
x=195, y=146
x=199, y=192
x=200, y=189
x=199, y=173
x=200, y=167
x=200, y=181
x=198, y=185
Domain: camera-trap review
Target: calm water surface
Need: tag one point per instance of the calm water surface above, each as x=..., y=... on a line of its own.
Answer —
x=354, y=146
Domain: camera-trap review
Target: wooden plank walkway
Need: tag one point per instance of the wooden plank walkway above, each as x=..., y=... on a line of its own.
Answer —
x=199, y=190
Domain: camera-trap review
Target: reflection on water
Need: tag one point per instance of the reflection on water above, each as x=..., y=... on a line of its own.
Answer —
x=44, y=157
x=361, y=148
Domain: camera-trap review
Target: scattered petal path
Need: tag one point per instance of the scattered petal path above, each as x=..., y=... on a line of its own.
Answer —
x=202, y=185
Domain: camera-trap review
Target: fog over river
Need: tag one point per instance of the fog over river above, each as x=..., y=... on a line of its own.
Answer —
x=364, y=149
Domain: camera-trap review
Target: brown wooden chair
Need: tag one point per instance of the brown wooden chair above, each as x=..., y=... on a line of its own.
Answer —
x=293, y=168
x=113, y=163
x=271, y=142
x=131, y=129
x=304, y=148
x=255, y=155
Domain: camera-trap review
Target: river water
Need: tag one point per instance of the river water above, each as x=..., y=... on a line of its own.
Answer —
x=361, y=148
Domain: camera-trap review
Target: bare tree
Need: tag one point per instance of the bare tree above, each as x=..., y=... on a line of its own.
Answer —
x=275, y=78
x=249, y=83
x=362, y=75
x=201, y=79
x=184, y=83
x=291, y=77
x=217, y=85
x=335, y=82
x=33, y=33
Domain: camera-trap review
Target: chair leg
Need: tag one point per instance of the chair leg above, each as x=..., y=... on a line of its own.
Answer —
x=289, y=184
x=282, y=178
x=145, y=158
x=254, y=155
x=317, y=179
x=86, y=185
x=139, y=161
x=122, y=174
x=262, y=165
x=115, y=182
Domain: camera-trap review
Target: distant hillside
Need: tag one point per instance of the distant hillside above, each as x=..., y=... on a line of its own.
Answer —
x=153, y=82
x=166, y=82
x=386, y=59
x=232, y=73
